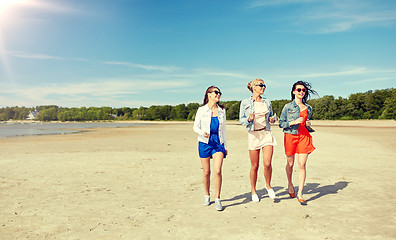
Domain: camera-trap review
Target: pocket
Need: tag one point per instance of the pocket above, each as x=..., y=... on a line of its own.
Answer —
x=291, y=118
x=205, y=115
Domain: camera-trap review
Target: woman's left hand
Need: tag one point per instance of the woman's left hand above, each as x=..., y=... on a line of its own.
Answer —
x=272, y=119
x=308, y=123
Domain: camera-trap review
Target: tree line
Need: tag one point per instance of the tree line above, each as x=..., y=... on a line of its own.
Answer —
x=379, y=104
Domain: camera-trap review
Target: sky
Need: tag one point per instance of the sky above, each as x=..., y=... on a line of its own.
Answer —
x=132, y=53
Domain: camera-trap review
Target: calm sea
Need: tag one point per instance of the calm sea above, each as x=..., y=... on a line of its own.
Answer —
x=28, y=129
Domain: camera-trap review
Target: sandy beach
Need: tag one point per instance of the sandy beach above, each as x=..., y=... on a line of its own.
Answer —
x=145, y=182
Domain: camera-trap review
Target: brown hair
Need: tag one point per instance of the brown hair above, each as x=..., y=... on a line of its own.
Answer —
x=206, y=99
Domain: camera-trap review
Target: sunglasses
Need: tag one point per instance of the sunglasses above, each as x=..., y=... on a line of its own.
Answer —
x=261, y=85
x=216, y=92
x=301, y=89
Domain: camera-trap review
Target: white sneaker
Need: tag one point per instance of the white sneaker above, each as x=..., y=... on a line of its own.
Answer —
x=271, y=193
x=255, y=198
x=218, y=205
x=206, y=200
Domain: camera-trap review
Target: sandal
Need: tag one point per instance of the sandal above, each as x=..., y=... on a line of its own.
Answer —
x=292, y=195
x=302, y=201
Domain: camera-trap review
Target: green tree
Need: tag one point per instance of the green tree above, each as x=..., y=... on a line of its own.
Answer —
x=389, y=111
x=325, y=108
x=232, y=108
x=277, y=106
x=179, y=112
x=48, y=114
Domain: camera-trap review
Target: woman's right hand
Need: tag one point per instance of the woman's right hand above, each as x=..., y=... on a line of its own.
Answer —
x=297, y=121
x=206, y=135
x=251, y=117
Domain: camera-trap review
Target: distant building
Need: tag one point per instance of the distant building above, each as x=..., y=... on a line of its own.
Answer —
x=113, y=115
x=32, y=115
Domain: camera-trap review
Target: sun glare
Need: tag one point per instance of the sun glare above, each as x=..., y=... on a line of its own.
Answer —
x=7, y=4
x=6, y=7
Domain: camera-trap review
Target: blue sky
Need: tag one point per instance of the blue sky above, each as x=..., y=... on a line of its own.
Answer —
x=134, y=53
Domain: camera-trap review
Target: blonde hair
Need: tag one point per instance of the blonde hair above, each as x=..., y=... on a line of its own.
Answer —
x=252, y=83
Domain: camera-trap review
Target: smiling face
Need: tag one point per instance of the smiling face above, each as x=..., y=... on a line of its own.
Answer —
x=214, y=94
x=258, y=86
x=299, y=91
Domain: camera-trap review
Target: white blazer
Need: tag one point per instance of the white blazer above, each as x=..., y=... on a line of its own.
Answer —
x=202, y=123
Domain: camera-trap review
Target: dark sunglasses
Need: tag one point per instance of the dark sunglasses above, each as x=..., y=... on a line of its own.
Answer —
x=217, y=92
x=261, y=85
x=301, y=89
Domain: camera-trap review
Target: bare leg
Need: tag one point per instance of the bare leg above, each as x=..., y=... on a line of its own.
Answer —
x=206, y=174
x=289, y=172
x=254, y=161
x=217, y=165
x=302, y=160
x=267, y=159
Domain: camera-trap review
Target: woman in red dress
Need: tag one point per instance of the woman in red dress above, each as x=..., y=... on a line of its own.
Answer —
x=294, y=120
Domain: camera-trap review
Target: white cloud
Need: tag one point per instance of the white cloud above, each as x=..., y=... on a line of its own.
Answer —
x=141, y=66
x=38, y=56
x=335, y=19
x=355, y=71
x=95, y=88
x=86, y=93
x=351, y=71
x=371, y=80
x=226, y=74
x=324, y=17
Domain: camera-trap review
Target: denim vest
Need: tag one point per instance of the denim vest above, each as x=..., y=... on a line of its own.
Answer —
x=290, y=112
x=247, y=107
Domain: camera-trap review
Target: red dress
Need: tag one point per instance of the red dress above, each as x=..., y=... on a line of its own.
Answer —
x=301, y=142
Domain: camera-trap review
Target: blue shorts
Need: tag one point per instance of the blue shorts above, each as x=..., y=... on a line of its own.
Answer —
x=207, y=150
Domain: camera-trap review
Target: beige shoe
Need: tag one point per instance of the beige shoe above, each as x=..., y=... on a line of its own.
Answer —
x=206, y=200
x=255, y=198
x=218, y=205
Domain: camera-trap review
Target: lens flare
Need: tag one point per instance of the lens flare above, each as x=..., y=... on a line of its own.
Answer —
x=7, y=8
x=8, y=4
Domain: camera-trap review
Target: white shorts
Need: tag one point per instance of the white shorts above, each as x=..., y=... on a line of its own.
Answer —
x=260, y=139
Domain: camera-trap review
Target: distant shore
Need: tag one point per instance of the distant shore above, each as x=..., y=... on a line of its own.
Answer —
x=361, y=122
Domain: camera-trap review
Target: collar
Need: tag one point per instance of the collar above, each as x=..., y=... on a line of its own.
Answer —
x=295, y=104
x=254, y=100
x=206, y=107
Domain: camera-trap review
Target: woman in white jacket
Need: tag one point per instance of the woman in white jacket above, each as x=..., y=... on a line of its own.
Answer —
x=210, y=124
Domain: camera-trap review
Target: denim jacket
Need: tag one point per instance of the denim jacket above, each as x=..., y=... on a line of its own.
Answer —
x=290, y=112
x=247, y=107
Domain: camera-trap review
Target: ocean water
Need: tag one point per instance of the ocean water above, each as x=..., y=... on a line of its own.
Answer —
x=14, y=129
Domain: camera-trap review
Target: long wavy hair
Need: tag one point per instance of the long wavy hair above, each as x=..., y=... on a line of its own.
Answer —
x=308, y=93
x=206, y=98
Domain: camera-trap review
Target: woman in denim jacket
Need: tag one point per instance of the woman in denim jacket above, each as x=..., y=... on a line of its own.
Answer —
x=294, y=120
x=210, y=124
x=256, y=113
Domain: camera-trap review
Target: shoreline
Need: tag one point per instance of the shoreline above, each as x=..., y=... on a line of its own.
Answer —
x=362, y=122
x=80, y=128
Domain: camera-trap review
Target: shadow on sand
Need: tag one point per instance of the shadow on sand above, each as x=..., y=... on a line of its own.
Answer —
x=282, y=193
